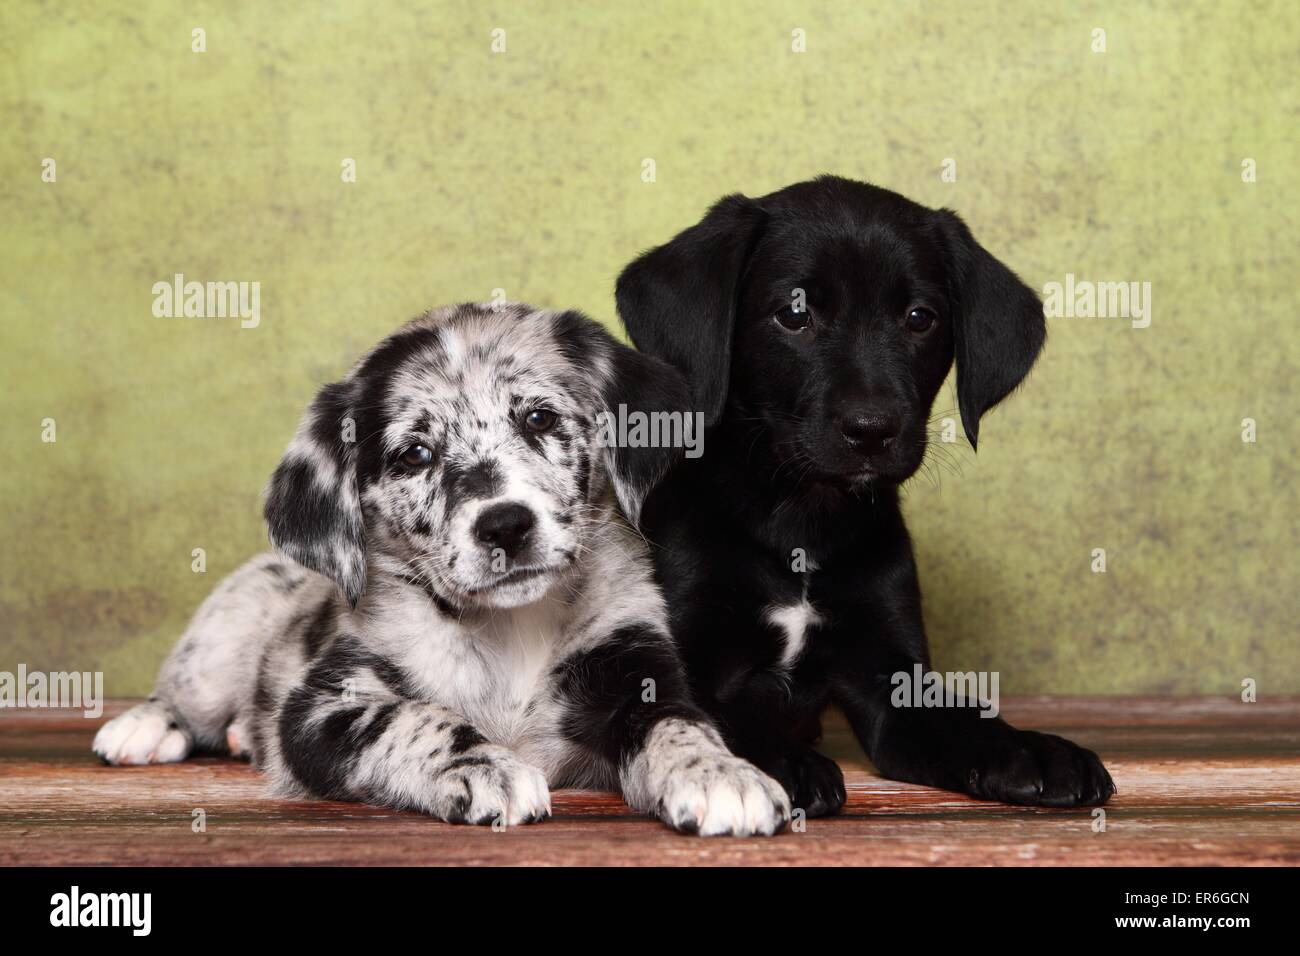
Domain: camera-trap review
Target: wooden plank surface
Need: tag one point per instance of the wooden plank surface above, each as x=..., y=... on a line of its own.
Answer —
x=1201, y=781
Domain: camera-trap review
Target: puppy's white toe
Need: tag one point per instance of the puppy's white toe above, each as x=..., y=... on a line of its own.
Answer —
x=726, y=810
x=174, y=747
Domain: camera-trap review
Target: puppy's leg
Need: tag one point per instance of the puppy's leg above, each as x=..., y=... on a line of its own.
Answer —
x=769, y=722
x=953, y=747
x=957, y=749
x=631, y=706
x=206, y=683
x=404, y=754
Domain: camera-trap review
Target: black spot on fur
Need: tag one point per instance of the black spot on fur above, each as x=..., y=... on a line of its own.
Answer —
x=533, y=439
x=464, y=737
x=442, y=604
x=584, y=475
x=319, y=629
x=453, y=474
x=375, y=380
x=461, y=762
x=605, y=685
x=394, y=677
x=482, y=480
x=322, y=753
x=286, y=581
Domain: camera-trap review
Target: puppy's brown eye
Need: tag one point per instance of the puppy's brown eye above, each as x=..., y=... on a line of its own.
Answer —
x=921, y=320
x=417, y=456
x=792, y=319
x=540, y=420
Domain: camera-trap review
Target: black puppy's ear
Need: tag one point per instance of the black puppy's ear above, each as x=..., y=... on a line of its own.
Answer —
x=679, y=300
x=655, y=392
x=630, y=390
x=998, y=325
x=313, y=509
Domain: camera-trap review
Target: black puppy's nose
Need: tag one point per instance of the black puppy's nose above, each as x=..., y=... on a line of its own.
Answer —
x=505, y=526
x=869, y=433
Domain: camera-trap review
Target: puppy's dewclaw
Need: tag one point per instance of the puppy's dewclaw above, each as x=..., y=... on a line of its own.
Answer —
x=237, y=737
x=458, y=617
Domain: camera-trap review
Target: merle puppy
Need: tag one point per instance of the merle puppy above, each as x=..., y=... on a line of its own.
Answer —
x=814, y=327
x=458, y=618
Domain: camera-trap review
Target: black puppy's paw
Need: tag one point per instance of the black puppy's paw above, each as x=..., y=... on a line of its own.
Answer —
x=814, y=782
x=1035, y=769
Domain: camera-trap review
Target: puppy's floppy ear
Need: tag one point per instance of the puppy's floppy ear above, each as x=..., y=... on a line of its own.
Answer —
x=313, y=509
x=629, y=386
x=679, y=300
x=998, y=325
x=640, y=383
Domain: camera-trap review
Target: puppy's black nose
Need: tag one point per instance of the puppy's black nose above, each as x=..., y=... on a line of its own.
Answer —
x=505, y=526
x=869, y=433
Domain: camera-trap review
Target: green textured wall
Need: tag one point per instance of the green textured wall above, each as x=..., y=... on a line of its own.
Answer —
x=522, y=171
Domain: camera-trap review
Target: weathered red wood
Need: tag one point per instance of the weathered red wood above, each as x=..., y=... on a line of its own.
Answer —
x=1201, y=781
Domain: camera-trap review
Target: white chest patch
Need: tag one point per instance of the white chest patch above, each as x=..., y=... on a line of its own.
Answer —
x=794, y=620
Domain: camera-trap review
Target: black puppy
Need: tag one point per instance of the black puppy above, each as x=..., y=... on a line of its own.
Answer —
x=815, y=326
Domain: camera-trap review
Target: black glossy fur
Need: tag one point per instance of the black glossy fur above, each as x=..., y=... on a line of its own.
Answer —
x=810, y=433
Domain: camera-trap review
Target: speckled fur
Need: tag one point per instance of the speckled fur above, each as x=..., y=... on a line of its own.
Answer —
x=381, y=656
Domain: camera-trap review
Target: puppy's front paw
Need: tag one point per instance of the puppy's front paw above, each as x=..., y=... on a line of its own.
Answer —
x=147, y=733
x=1036, y=769
x=723, y=794
x=815, y=782
x=490, y=784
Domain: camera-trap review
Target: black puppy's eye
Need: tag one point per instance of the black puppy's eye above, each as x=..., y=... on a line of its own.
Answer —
x=921, y=320
x=417, y=456
x=540, y=420
x=792, y=319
